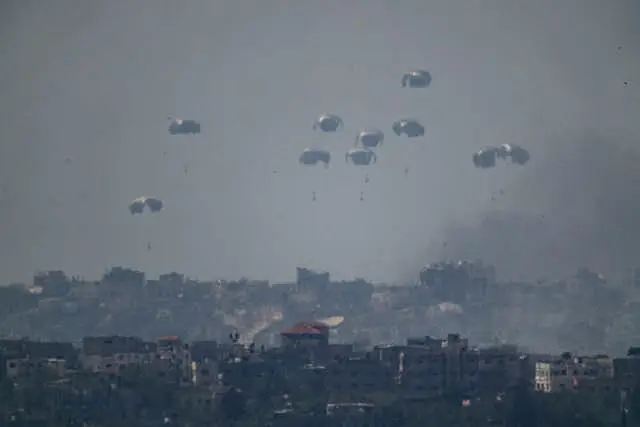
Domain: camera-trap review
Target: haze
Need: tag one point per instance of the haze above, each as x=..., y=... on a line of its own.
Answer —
x=86, y=87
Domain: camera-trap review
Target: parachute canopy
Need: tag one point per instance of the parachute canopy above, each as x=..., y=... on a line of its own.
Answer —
x=313, y=156
x=416, y=79
x=409, y=127
x=182, y=127
x=328, y=123
x=517, y=154
x=370, y=138
x=487, y=157
x=361, y=156
x=137, y=205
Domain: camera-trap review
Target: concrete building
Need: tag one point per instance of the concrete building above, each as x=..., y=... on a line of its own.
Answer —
x=126, y=276
x=500, y=367
x=356, y=378
x=113, y=354
x=178, y=355
x=310, y=339
x=429, y=366
x=574, y=373
x=24, y=358
x=53, y=283
x=626, y=370
x=457, y=281
x=205, y=359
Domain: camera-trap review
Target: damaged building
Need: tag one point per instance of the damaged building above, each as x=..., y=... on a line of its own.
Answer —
x=457, y=281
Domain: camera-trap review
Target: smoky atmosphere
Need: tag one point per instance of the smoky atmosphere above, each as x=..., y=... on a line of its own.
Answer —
x=86, y=89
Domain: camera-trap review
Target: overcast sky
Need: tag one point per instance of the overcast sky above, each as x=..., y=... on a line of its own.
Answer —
x=94, y=81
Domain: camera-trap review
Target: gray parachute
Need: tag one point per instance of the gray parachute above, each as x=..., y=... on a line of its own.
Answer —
x=409, y=127
x=313, y=156
x=328, y=123
x=488, y=156
x=183, y=127
x=485, y=157
x=416, y=79
x=138, y=205
x=370, y=138
x=361, y=156
x=515, y=153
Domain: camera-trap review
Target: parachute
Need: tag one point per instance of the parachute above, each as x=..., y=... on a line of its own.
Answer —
x=371, y=138
x=328, y=123
x=313, y=156
x=517, y=154
x=137, y=205
x=183, y=127
x=409, y=127
x=416, y=79
x=485, y=158
x=155, y=205
x=361, y=156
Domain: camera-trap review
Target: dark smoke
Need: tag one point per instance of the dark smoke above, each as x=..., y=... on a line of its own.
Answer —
x=581, y=208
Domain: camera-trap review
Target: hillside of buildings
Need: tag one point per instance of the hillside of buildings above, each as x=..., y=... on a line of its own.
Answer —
x=457, y=348
x=583, y=313
x=310, y=380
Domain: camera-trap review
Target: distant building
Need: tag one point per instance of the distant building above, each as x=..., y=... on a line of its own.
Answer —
x=308, y=338
x=357, y=378
x=113, y=354
x=500, y=367
x=24, y=358
x=205, y=359
x=53, y=283
x=626, y=370
x=456, y=281
x=306, y=334
x=574, y=373
x=430, y=366
x=306, y=278
x=124, y=276
x=174, y=278
x=341, y=351
x=178, y=356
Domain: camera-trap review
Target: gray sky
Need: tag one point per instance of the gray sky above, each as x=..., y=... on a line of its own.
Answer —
x=95, y=81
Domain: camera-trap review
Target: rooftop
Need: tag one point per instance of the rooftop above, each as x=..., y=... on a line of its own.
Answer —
x=302, y=329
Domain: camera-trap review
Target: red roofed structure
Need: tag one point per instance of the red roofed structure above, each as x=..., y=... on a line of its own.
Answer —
x=301, y=329
x=169, y=338
x=306, y=334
